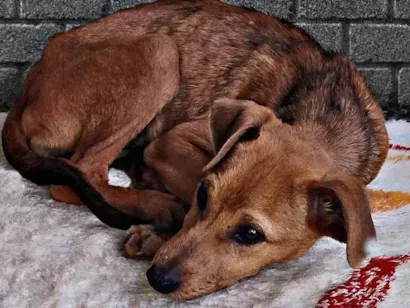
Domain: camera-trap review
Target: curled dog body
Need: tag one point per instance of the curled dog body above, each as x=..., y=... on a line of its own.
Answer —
x=268, y=137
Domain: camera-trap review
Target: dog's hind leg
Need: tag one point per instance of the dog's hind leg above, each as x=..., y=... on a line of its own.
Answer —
x=147, y=83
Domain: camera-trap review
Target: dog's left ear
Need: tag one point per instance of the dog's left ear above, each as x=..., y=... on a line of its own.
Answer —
x=232, y=121
x=338, y=207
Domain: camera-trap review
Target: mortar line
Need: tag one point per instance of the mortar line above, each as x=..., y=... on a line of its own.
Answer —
x=346, y=39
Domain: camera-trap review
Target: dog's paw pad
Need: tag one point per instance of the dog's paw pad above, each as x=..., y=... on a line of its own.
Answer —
x=141, y=242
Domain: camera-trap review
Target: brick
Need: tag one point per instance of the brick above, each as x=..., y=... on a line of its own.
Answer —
x=350, y=9
x=380, y=43
x=6, y=8
x=23, y=43
x=279, y=8
x=328, y=35
x=9, y=85
x=120, y=4
x=380, y=81
x=404, y=91
x=61, y=9
x=402, y=8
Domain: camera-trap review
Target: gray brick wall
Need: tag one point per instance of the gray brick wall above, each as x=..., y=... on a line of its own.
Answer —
x=375, y=34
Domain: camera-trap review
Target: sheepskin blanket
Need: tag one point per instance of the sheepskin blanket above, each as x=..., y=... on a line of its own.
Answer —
x=56, y=255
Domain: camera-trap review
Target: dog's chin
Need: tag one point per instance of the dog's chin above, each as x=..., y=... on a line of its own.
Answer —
x=189, y=292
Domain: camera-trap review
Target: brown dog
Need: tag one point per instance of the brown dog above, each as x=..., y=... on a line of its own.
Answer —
x=269, y=137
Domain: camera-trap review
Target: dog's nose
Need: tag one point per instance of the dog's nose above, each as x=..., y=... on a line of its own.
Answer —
x=161, y=280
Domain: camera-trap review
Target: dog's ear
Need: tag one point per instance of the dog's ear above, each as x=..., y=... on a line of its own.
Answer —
x=232, y=121
x=338, y=207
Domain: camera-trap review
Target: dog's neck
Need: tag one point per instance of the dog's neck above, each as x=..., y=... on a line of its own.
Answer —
x=274, y=77
x=332, y=119
x=346, y=146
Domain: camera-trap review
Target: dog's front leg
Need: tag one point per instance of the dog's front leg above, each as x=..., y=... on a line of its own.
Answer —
x=179, y=156
x=177, y=159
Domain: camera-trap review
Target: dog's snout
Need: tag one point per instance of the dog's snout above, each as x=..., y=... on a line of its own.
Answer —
x=162, y=279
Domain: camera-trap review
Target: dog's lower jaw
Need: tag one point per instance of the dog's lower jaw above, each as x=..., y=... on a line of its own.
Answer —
x=192, y=294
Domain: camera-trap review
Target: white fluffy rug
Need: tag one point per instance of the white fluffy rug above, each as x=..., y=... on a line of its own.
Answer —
x=56, y=255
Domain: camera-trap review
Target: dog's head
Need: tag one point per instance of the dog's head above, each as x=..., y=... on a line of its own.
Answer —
x=266, y=197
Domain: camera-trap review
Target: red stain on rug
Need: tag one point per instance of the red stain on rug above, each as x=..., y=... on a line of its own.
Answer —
x=367, y=286
x=398, y=147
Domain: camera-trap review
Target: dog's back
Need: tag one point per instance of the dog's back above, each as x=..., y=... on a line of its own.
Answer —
x=225, y=51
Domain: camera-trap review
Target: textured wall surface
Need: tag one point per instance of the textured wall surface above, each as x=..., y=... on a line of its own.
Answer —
x=375, y=34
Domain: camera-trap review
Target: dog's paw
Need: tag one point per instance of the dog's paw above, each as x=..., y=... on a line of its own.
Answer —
x=142, y=242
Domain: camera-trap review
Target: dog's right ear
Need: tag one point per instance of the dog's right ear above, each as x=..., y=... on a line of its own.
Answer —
x=232, y=121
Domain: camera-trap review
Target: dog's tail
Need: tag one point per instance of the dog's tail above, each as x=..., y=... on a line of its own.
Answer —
x=52, y=170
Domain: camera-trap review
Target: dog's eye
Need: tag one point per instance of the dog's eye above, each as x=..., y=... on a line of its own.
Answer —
x=202, y=196
x=248, y=235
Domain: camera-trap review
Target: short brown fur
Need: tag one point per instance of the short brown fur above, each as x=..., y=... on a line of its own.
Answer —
x=284, y=135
